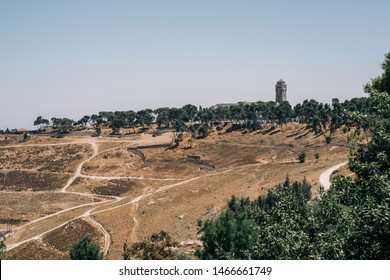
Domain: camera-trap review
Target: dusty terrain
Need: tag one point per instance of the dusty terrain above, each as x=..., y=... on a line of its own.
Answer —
x=118, y=189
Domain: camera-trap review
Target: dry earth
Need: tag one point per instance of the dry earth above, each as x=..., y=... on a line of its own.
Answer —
x=118, y=189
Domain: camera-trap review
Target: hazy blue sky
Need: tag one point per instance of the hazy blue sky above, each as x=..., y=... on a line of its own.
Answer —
x=70, y=58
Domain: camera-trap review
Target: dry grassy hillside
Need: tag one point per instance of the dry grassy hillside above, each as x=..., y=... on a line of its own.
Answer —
x=54, y=191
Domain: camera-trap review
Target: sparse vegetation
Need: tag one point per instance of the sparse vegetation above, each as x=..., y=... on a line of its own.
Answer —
x=317, y=156
x=157, y=247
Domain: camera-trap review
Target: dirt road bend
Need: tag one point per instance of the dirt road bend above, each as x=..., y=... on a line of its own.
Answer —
x=325, y=176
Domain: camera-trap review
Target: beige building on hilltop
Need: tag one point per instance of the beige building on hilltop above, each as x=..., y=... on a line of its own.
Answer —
x=280, y=95
x=281, y=91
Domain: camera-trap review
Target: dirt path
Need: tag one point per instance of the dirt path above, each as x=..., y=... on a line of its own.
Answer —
x=107, y=237
x=86, y=215
x=80, y=166
x=114, y=202
x=58, y=213
x=325, y=176
x=161, y=189
x=39, y=236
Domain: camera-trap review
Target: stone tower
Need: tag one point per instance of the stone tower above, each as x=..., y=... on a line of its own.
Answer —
x=281, y=91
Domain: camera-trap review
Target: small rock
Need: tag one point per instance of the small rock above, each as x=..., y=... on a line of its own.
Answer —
x=180, y=217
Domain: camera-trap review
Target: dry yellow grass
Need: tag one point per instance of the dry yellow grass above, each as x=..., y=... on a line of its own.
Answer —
x=166, y=189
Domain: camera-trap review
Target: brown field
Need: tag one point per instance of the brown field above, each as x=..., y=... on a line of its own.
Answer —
x=126, y=191
x=20, y=207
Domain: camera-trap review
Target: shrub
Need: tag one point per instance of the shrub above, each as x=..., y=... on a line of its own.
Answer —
x=302, y=157
x=85, y=249
x=157, y=247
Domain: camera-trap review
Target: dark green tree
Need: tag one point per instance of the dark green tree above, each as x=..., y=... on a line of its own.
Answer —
x=283, y=113
x=85, y=249
x=382, y=82
x=162, y=117
x=190, y=113
x=368, y=197
x=203, y=131
x=317, y=156
x=302, y=157
x=84, y=121
x=230, y=236
x=40, y=122
x=273, y=227
x=63, y=125
x=144, y=117
x=337, y=115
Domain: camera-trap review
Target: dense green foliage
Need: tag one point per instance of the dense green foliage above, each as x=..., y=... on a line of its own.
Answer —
x=157, y=247
x=276, y=226
x=351, y=221
x=41, y=122
x=85, y=249
x=368, y=197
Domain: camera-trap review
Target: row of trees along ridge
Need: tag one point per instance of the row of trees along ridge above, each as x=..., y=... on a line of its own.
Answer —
x=322, y=118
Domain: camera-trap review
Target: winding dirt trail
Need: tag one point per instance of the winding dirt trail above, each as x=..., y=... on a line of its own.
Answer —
x=325, y=176
x=113, y=202
x=77, y=174
x=136, y=200
x=39, y=236
x=161, y=189
x=87, y=214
